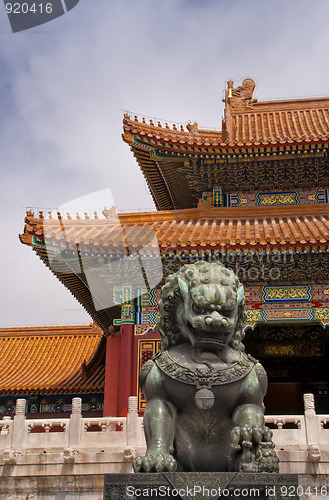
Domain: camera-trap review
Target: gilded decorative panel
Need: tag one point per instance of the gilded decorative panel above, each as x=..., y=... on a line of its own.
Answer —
x=144, y=329
x=146, y=349
x=254, y=316
x=288, y=198
x=320, y=315
x=289, y=350
x=217, y=196
x=257, y=198
x=286, y=293
x=288, y=315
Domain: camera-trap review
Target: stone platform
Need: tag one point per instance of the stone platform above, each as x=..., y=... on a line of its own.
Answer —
x=201, y=486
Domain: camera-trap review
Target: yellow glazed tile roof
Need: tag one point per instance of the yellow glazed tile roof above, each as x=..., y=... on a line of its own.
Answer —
x=247, y=122
x=49, y=359
x=180, y=162
x=202, y=226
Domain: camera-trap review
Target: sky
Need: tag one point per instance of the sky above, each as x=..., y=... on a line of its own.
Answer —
x=65, y=85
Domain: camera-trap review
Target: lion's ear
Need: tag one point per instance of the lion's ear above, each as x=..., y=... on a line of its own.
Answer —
x=240, y=294
x=183, y=287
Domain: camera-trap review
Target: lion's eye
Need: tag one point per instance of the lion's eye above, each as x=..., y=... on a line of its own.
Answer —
x=229, y=305
x=198, y=310
x=228, y=313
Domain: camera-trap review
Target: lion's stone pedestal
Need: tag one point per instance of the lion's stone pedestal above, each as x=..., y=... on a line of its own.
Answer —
x=200, y=485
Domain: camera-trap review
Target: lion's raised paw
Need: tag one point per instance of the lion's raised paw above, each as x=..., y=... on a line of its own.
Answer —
x=253, y=446
x=155, y=463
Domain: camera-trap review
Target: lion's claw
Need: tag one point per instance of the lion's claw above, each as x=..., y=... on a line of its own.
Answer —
x=137, y=464
x=245, y=441
x=155, y=463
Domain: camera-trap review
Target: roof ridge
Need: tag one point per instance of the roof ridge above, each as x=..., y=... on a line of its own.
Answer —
x=51, y=331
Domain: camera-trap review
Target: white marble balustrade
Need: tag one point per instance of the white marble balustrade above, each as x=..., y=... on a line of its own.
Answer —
x=109, y=444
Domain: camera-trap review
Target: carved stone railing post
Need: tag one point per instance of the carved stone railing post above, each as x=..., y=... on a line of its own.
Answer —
x=75, y=423
x=311, y=428
x=18, y=432
x=131, y=429
x=10, y=455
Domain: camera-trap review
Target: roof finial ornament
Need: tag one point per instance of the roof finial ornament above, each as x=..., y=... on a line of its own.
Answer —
x=110, y=213
x=192, y=127
x=241, y=98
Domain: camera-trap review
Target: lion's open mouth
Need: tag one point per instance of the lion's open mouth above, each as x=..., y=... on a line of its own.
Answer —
x=206, y=338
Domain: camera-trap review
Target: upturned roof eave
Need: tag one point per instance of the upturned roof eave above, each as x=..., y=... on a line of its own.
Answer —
x=269, y=226
x=186, y=213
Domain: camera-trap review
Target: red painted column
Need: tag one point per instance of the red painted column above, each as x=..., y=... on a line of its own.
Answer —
x=112, y=376
x=126, y=369
x=135, y=366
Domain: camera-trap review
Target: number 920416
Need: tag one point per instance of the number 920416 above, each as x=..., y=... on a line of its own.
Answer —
x=25, y=8
x=292, y=491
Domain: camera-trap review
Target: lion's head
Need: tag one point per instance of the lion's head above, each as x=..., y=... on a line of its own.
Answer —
x=203, y=303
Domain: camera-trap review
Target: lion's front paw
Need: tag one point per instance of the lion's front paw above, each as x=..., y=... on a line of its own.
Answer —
x=252, y=449
x=155, y=463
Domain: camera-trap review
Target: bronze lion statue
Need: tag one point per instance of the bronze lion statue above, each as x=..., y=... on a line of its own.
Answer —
x=204, y=395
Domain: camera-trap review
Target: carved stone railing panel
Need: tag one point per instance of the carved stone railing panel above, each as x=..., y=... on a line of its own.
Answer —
x=280, y=421
x=323, y=432
x=324, y=421
x=288, y=431
x=5, y=426
x=104, y=424
x=103, y=432
x=40, y=426
x=46, y=433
